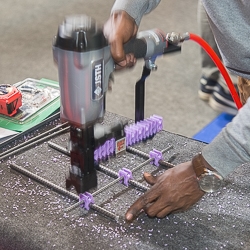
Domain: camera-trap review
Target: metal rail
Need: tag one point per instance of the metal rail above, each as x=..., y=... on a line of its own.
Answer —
x=111, y=172
x=135, y=183
x=63, y=128
x=61, y=190
x=145, y=155
x=34, y=141
x=51, y=118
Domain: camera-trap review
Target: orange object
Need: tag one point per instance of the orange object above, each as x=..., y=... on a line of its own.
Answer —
x=10, y=99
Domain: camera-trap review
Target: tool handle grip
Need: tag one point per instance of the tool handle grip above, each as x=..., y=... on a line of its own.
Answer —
x=136, y=46
x=139, y=48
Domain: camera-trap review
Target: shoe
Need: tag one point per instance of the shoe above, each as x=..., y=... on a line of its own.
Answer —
x=206, y=88
x=222, y=101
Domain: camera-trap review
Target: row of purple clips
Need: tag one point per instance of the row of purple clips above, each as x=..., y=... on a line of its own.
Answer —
x=143, y=130
x=135, y=133
x=107, y=149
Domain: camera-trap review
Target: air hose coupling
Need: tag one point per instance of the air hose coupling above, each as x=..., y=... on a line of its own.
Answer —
x=177, y=38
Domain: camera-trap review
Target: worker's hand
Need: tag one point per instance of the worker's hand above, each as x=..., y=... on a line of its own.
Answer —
x=174, y=191
x=119, y=29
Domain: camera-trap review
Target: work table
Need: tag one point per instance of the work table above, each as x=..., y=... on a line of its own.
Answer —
x=32, y=215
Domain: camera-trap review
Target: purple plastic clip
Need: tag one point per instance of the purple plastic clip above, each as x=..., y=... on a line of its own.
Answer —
x=151, y=125
x=135, y=129
x=157, y=155
x=87, y=198
x=96, y=155
x=132, y=133
x=128, y=138
x=126, y=174
x=136, y=133
x=141, y=131
x=107, y=143
x=145, y=125
x=154, y=127
x=100, y=152
x=112, y=146
x=107, y=148
x=103, y=151
x=159, y=122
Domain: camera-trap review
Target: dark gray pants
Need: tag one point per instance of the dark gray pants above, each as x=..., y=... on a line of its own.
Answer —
x=209, y=69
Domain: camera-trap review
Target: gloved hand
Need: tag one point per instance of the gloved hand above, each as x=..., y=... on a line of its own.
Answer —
x=119, y=29
x=174, y=191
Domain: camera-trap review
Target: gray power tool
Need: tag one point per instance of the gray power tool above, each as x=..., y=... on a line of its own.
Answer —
x=85, y=64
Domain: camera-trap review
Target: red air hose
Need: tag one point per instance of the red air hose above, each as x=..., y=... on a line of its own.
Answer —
x=220, y=66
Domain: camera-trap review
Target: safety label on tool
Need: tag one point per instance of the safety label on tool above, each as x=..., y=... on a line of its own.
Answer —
x=120, y=145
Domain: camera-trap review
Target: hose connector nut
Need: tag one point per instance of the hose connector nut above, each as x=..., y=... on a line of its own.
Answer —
x=176, y=38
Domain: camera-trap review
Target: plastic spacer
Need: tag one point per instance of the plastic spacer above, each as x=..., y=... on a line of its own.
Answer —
x=126, y=174
x=96, y=155
x=132, y=140
x=136, y=133
x=159, y=123
x=128, y=138
x=141, y=130
x=151, y=126
x=112, y=146
x=157, y=155
x=107, y=146
x=103, y=152
x=87, y=198
x=145, y=126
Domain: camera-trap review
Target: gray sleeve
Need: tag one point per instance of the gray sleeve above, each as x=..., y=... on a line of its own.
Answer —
x=231, y=148
x=135, y=8
x=230, y=23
